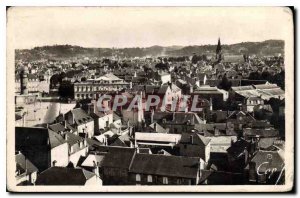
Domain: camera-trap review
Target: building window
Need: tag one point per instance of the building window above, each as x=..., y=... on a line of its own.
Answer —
x=138, y=177
x=149, y=178
x=165, y=180
x=178, y=181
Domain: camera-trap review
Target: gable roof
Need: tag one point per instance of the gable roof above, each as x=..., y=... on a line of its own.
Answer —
x=91, y=158
x=163, y=89
x=64, y=176
x=25, y=164
x=178, y=117
x=165, y=165
x=108, y=77
x=197, y=139
x=275, y=160
x=117, y=157
x=34, y=136
x=57, y=127
x=201, y=76
x=158, y=128
x=80, y=116
x=264, y=132
x=157, y=137
x=237, y=148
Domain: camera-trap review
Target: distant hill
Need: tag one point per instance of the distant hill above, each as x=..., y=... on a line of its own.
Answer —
x=269, y=47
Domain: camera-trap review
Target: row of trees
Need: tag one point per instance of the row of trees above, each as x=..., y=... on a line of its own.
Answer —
x=278, y=78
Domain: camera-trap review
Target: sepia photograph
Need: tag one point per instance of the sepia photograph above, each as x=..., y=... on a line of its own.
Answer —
x=150, y=99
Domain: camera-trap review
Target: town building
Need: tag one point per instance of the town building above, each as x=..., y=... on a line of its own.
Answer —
x=43, y=147
x=94, y=88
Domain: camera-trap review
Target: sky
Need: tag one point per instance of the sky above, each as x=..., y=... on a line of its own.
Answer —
x=119, y=27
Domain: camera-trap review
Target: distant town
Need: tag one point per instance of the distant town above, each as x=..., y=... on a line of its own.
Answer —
x=195, y=115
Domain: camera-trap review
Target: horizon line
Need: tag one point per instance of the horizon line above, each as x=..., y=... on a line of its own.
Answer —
x=74, y=45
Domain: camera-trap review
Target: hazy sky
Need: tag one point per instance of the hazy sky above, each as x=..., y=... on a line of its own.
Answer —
x=141, y=27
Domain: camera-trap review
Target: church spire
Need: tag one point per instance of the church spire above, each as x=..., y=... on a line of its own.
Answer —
x=219, y=48
x=219, y=51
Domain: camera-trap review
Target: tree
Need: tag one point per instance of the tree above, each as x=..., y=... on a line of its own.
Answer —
x=83, y=79
x=66, y=89
x=225, y=83
x=254, y=76
x=162, y=66
x=279, y=79
x=266, y=76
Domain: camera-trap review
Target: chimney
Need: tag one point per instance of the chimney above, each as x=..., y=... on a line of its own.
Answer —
x=105, y=141
x=191, y=89
x=94, y=106
x=130, y=131
x=152, y=115
x=216, y=131
x=170, y=84
x=240, y=107
x=191, y=139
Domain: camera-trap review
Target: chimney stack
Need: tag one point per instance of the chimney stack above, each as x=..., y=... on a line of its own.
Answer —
x=152, y=115
x=191, y=139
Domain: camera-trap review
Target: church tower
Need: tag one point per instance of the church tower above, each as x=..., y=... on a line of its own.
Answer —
x=219, y=51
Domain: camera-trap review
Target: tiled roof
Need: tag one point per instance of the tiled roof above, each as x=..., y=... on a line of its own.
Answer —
x=64, y=176
x=158, y=128
x=178, y=117
x=164, y=165
x=157, y=137
x=34, y=136
x=197, y=139
x=238, y=148
x=57, y=127
x=117, y=157
x=80, y=116
x=25, y=164
x=108, y=77
x=272, y=157
x=91, y=158
x=266, y=132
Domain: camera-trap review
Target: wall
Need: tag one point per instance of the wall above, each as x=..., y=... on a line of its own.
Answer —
x=194, y=151
x=88, y=128
x=158, y=180
x=93, y=181
x=104, y=119
x=61, y=155
x=74, y=157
